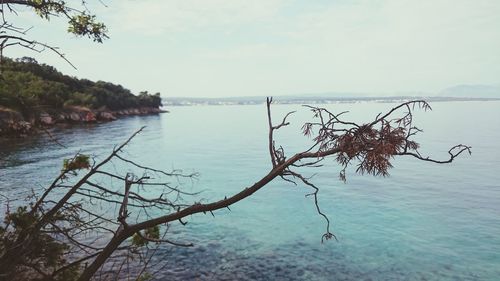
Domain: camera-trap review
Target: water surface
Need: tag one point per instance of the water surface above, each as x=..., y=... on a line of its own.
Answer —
x=424, y=222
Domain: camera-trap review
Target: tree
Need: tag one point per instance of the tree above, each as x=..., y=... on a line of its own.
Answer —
x=57, y=215
x=80, y=22
x=31, y=88
x=48, y=240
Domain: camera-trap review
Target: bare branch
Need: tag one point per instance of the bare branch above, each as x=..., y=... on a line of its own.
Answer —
x=369, y=147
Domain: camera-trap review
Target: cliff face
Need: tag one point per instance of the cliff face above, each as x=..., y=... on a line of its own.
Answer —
x=12, y=123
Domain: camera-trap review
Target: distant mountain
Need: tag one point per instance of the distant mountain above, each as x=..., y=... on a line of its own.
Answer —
x=472, y=91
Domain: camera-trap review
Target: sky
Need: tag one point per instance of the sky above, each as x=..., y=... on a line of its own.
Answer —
x=221, y=48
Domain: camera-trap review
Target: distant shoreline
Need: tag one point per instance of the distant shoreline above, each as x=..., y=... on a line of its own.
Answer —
x=179, y=101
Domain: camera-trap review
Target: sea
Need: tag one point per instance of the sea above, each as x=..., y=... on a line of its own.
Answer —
x=425, y=221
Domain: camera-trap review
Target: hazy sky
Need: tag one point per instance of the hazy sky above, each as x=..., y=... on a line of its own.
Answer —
x=216, y=48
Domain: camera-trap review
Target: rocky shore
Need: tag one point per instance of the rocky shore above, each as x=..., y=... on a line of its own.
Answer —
x=14, y=124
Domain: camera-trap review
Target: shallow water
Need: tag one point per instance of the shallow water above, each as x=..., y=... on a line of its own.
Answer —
x=424, y=222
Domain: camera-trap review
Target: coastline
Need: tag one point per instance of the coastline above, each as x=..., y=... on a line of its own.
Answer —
x=14, y=124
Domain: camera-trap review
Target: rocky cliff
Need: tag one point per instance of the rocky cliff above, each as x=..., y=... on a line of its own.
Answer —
x=12, y=123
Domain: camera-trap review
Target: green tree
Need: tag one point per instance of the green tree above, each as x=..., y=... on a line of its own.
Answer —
x=31, y=88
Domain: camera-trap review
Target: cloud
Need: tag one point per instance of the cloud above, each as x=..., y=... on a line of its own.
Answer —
x=252, y=47
x=172, y=16
x=240, y=47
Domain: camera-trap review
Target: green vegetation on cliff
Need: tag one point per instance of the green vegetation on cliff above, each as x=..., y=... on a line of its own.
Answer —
x=30, y=88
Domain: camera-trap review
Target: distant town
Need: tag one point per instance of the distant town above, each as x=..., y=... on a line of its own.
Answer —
x=455, y=93
x=310, y=100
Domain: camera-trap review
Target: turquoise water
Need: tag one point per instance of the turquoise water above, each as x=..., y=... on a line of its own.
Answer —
x=424, y=222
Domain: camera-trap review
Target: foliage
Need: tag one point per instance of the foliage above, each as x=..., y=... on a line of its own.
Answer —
x=50, y=241
x=80, y=23
x=142, y=238
x=80, y=161
x=46, y=253
x=145, y=277
x=30, y=87
x=86, y=25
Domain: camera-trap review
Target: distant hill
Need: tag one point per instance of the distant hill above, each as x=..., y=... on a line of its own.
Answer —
x=34, y=95
x=28, y=87
x=459, y=93
x=472, y=91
